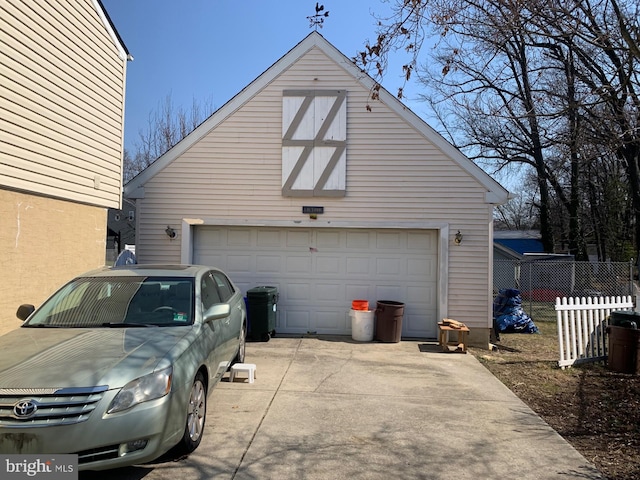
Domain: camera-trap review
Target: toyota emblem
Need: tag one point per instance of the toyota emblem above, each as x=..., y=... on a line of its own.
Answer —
x=25, y=408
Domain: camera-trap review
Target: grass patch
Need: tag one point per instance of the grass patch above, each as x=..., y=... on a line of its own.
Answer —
x=593, y=408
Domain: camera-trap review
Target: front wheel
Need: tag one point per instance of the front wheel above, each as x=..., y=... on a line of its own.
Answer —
x=196, y=415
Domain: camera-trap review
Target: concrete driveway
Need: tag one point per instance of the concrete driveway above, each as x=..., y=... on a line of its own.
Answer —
x=332, y=408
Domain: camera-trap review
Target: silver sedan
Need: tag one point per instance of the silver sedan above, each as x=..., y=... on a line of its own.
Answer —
x=117, y=365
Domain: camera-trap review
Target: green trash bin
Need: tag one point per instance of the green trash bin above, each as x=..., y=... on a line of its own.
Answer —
x=262, y=304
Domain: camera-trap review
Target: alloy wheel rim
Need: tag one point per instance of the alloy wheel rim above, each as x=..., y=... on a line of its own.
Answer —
x=197, y=407
x=242, y=343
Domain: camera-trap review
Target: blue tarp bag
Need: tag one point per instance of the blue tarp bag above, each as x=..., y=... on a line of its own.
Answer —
x=508, y=313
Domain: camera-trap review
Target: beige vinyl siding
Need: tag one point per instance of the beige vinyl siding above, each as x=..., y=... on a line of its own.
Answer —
x=62, y=94
x=394, y=175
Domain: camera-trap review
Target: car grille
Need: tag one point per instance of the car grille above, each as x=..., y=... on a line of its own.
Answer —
x=53, y=407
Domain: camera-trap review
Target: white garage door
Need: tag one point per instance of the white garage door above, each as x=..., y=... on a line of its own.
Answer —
x=318, y=272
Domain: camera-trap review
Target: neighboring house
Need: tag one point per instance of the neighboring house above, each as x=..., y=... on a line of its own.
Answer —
x=519, y=241
x=509, y=249
x=63, y=71
x=121, y=230
x=294, y=183
x=506, y=267
x=521, y=263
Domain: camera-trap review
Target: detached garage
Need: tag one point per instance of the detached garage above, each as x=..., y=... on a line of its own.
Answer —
x=295, y=183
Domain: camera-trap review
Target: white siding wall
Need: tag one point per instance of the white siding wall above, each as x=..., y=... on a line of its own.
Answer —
x=62, y=102
x=393, y=175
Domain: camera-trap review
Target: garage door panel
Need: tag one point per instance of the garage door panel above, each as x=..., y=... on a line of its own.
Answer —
x=268, y=238
x=296, y=292
x=297, y=264
x=358, y=266
x=358, y=240
x=328, y=265
x=319, y=271
x=423, y=296
x=389, y=266
x=390, y=292
x=422, y=243
x=389, y=241
x=328, y=293
x=330, y=320
x=243, y=285
x=217, y=261
x=413, y=325
x=300, y=238
x=421, y=268
x=358, y=292
x=328, y=240
x=240, y=264
x=208, y=238
x=268, y=263
x=293, y=320
x=239, y=237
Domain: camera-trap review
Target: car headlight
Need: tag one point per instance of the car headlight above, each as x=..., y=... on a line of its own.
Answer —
x=143, y=389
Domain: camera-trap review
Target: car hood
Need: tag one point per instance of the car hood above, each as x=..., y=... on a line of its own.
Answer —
x=68, y=357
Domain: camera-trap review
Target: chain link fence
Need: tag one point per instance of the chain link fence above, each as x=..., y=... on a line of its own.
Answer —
x=541, y=281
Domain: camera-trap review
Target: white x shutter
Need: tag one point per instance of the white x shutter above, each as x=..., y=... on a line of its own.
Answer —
x=314, y=139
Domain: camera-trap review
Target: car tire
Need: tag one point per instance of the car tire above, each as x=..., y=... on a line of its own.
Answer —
x=242, y=345
x=196, y=415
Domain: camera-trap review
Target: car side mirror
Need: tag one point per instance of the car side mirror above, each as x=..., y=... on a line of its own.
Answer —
x=215, y=312
x=24, y=311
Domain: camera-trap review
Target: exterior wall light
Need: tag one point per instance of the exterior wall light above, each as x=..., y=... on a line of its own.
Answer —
x=458, y=238
x=171, y=233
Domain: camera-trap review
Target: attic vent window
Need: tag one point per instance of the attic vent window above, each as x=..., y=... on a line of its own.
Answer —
x=314, y=143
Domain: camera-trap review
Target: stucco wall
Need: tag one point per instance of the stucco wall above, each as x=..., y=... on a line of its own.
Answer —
x=44, y=243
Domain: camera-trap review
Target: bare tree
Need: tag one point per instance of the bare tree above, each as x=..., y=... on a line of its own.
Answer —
x=166, y=126
x=519, y=213
x=546, y=84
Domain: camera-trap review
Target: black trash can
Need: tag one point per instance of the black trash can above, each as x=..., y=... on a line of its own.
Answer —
x=389, y=321
x=625, y=318
x=261, y=305
x=624, y=342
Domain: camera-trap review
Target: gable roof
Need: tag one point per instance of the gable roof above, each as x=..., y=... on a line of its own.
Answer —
x=506, y=252
x=495, y=193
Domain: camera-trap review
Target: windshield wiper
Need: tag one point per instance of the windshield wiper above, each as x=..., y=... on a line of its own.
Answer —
x=127, y=325
x=43, y=325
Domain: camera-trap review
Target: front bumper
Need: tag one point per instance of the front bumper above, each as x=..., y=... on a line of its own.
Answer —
x=101, y=441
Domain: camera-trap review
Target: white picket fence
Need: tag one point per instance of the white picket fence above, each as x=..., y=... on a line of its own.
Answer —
x=582, y=324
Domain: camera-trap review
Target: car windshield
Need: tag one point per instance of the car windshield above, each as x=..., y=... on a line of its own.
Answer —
x=118, y=302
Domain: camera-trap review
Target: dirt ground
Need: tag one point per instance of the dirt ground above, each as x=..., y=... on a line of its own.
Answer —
x=593, y=408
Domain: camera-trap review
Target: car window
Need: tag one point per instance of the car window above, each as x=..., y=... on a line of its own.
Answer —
x=209, y=293
x=164, y=300
x=73, y=294
x=224, y=286
x=118, y=301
